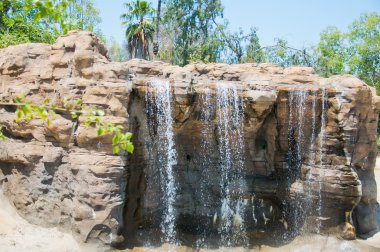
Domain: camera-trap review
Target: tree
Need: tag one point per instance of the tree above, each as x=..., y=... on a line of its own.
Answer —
x=19, y=25
x=331, y=53
x=44, y=20
x=139, y=28
x=156, y=44
x=191, y=26
x=284, y=55
x=254, y=50
x=238, y=47
x=356, y=52
x=117, y=52
x=364, y=49
x=80, y=15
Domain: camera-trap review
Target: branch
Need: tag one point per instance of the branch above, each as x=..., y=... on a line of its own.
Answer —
x=5, y=103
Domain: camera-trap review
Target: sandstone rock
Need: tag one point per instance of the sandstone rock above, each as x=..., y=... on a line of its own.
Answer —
x=65, y=175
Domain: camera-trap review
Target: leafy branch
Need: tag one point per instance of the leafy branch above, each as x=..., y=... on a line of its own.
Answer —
x=26, y=111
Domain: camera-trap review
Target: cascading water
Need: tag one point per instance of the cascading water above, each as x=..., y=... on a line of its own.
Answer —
x=230, y=111
x=159, y=110
x=297, y=109
x=205, y=159
x=218, y=187
x=324, y=106
x=312, y=148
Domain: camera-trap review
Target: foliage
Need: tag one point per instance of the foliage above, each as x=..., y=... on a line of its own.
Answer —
x=239, y=47
x=117, y=52
x=364, y=49
x=356, y=52
x=284, y=55
x=191, y=25
x=44, y=20
x=138, y=21
x=330, y=52
x=19, y=26
x=254, y=50
x=26, y=111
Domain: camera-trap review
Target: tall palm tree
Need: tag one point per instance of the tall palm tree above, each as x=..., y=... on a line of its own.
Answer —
x=139, y=32
x=155, y=44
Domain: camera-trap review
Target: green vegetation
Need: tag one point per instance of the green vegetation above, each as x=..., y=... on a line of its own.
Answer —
x=23, y=21
x=139, y=28
x=25, y=111
x=356, y=52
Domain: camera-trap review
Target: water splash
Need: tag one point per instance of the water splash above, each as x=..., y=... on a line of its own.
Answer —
x=159, y=110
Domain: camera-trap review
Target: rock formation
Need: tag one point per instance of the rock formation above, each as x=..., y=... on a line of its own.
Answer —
x=307, y=147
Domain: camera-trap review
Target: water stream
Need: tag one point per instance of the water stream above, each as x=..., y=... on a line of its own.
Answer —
x=324, y=106
x=159, y=110
x=230, y=112
x=300, y=148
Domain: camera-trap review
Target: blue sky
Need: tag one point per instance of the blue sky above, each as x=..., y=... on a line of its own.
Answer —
x=297, y=21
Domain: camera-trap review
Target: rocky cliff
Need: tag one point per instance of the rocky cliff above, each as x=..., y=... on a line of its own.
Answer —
x=283, y=150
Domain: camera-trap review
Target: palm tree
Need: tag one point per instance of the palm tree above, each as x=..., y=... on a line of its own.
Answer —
x=140, y=28
x=155, y=44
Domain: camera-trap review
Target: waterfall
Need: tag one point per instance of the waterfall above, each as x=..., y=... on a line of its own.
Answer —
x=159, y=111
x=297, y=108
x=297, y=103
x=324, y=107
x=207, y=110
x=312, y=150
x=296, y=142
x=230, y=111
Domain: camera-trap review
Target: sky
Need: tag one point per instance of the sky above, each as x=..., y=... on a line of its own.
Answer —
x=298, y=21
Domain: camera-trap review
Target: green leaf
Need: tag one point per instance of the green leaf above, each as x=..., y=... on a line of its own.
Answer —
x=74, y=115
x=128, y=135
x=65, y=102
x=100, y=131
x=88, y=123
x=116, y=149
x=78, y=102
x=18, y=115
x=129, y=147
x=52, y=113
x=100, y=112
x=115, y=139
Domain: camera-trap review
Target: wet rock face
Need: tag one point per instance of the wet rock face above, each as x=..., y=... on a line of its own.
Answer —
x=226, y=153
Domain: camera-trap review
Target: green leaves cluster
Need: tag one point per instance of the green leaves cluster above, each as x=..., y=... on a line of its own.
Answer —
x=120, y=140
x=26, y=111
x=355, y=52
x=190, y=27
x=23, y=21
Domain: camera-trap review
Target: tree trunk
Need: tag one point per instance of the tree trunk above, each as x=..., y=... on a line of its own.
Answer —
x=155, y=44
